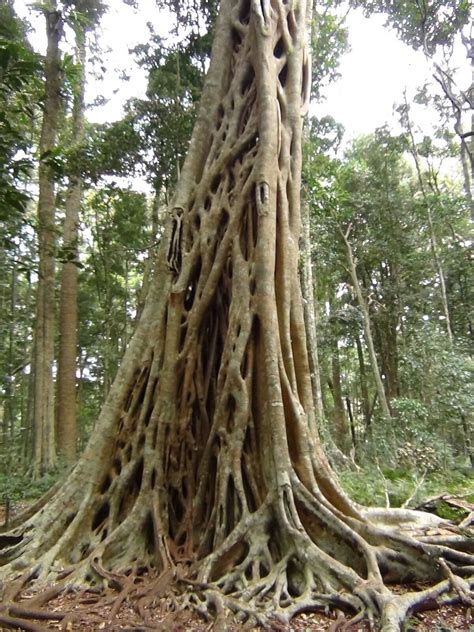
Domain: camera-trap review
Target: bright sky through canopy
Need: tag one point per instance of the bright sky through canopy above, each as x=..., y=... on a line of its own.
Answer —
x=374, y=73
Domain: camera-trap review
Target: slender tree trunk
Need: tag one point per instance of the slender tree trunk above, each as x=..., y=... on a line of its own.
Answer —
x=28, y=388
x=364, y=390
x=366, y=322
x=432, y=233
x=309, y=308
x=8, y=405
x=351, y=425
x=45, y=451
x=339, y=416
x=381, y=352
x=467, y=432
x=67, y=355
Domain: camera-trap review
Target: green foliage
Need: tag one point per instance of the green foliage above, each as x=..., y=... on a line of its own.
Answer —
x=115, y=247
x=422, y=24
x=113, y=149
x=374, y=190
x=84, y=14
x=329, y=41
x=22, y=487
x=164, y=120
x=370, y=486
x=192, y=16
x=447, y=511
x=19, y=81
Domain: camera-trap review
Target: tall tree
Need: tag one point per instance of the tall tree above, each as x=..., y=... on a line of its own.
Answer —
x=205, y=467
x=366, y=323
x=83, y=19
x=44, y=435
x=406, y=120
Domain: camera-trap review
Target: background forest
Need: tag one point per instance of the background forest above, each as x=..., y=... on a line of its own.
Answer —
x=388, y=292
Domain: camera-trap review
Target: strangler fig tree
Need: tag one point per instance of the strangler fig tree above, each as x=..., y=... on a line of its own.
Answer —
x=205, y=466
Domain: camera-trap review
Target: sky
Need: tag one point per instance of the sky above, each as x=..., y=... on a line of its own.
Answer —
x=374, y=74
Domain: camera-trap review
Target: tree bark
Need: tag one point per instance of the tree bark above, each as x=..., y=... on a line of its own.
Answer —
x=205, y=469
x=309, y=310
x=67, y=355
x=364, y=390
x=340, y=425
x=44, y=439
x=9, y=408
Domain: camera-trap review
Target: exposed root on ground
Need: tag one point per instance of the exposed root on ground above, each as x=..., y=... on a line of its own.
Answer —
x=205, y=474
x=269, y=569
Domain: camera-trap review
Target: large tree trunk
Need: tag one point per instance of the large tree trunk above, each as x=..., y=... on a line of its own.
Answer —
x=67, y=355
x=45, y=450
x=205, y=465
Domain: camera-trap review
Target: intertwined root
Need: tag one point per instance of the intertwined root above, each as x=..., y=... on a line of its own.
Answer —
x=205, y=473
x=294, y=554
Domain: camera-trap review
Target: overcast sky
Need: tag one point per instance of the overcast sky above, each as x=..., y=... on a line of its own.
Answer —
x=374, y=73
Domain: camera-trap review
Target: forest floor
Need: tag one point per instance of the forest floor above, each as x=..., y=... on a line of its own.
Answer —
x=89, y=613
x=86, y=619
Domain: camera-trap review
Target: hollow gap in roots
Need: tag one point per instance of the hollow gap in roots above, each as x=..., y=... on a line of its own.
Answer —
x=216, y=180
x=177, y=510
x=233, y=557
x=101, y=515
x=106, y=483
x=244, y=12
x=282, y=77
x=223, y=223
x=233, y=507
x=279, y=48
x=117, y=466
x=295, y=577
x=131, y=492
x=153, y=478
x=10, y=540
x=247, y=79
